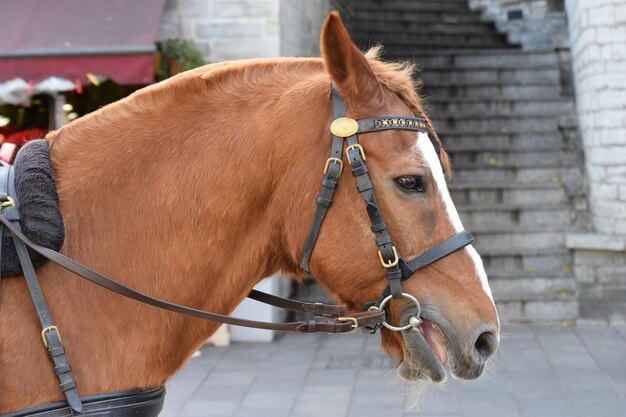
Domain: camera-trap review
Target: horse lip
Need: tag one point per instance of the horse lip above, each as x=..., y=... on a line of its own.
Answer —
x=424, y=362
x=420, y=361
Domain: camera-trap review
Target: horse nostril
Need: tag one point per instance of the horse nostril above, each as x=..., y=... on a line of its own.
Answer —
x=486, y=344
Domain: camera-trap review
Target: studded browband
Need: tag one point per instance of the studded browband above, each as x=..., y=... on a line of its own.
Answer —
x=343, y=128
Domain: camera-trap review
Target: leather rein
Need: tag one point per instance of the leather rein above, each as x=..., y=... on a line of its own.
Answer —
x=326, y=318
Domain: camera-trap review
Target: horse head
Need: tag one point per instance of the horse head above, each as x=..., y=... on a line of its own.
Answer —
x=460, y=324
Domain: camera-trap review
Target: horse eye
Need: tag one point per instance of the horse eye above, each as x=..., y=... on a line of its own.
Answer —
x=411, y=184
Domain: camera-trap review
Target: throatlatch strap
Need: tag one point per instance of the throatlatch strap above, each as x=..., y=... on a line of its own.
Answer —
x=332, y=172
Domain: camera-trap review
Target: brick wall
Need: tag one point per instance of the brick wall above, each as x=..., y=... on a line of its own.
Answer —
x=225, y=29
x=598, y=39
x=235, y=29
x=598, y=42
x=533, y=24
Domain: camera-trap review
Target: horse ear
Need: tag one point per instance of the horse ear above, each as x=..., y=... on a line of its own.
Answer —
x=346, y=64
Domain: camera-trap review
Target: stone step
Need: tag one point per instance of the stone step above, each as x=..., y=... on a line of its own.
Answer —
x=507, y=108
x=412, y=5
x=497, y=92
x=522, y=176
x=435, y=77
x=480, y=59
x=515, y=219
x=503, y=159
x=555, y=260
x=539, y=311
x=510, y=142
x=499, y=192
x=501, y=124
x=365, y=17
x=533, y=287
x=510, y=242
x=365, y=30
x=505, y=208
x=393, y=42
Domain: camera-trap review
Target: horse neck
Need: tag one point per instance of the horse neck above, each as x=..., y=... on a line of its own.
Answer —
x=181, y=198
x=162, y=195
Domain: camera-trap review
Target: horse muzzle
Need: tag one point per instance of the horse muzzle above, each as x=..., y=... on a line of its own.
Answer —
x=430, y=347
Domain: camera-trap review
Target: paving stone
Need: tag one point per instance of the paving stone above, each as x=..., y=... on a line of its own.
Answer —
x=320, y=408
x=541, y=371
x=280, y=400
x=257, y=412
x=209, y=408
x=373, y=399
x=370, y=411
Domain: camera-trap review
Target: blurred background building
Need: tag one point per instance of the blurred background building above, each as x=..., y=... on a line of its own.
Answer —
x=529, y=97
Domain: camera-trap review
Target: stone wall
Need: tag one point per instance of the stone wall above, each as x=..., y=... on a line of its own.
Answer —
x=598, y=42
x=235, y=29
x=533, y=24
x=225, y=29
x=301, y=21
x=598, y=38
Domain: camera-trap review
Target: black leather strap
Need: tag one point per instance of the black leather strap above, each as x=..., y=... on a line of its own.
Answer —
x=330, y=181
x=316, y=309
x=318, y=324
x=440, y=250
x=4, y=193
x=50, y=333
x=383, y=240
x=136, y=403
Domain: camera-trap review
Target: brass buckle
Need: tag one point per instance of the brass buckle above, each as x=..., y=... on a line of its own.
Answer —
x=336, y=161
x=356, y=146
x=8, y=202
x=49, y=329
x=355, y=323
x=392, y=263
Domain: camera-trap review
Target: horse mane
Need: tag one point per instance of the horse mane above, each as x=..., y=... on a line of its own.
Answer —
x=398, y=78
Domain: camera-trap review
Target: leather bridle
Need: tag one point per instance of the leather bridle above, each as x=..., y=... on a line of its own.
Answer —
x=397, y=269
x=326, y=318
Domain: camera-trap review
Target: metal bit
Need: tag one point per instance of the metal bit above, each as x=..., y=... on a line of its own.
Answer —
x=415, y=323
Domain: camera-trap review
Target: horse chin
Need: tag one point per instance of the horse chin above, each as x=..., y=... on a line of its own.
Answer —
x=425, y=353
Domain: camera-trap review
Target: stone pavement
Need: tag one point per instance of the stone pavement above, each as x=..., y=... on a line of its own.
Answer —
x=540, y=371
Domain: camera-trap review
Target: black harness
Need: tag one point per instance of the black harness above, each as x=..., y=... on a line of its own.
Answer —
x=397, y=269
x=135, y=403
x=326, y=318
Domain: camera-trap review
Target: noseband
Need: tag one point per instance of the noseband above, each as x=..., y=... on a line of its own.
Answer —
x=397, y=269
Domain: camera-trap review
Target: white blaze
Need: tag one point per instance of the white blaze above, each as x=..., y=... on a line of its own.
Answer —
x=428, y=151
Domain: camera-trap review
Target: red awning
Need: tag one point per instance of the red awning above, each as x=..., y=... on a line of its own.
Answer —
x=70, y=38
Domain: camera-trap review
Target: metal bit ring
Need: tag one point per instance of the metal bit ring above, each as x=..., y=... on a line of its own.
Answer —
x=408, y=326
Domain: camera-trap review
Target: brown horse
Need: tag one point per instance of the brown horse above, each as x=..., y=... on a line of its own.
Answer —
x=194, y=189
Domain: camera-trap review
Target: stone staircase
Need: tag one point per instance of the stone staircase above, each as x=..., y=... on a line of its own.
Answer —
x=507, y=118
